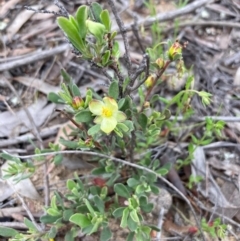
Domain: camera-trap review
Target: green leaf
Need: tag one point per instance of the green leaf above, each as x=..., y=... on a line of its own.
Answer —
x=121, y=103
x=53, y=202
x=99, y=203
x=113, y=35
x=114, y=90
x=96, y=11
x=134, y=216
x=132, y=225
x=94, y=130
x=81, y=17
x=47, y=219
x=75, y=90
x=118, y=132
x=96, y=29
x=7, y=232
x=123, y=127
x=147, y=208
x=124, y=218
x=72, y=33
x=84, y=116
x=69, y=236
x=143, y=120
x=129, y=124
x=55, y=98
x=7, y=156
x=116, y=53
x=130, y=236
x=67, y=78
x=67, y=214
x=143, y=200
x=58, y=159
x=105, y=57
x=121, y=190
x=80, y=219
x=71, y=184
x=132, y=182
x=154, y=189
x=106, y=234
x=118, y=212
x=53, y=212
x=98, y=171
x=69, y=144
x=105, y=18
x=52, y=233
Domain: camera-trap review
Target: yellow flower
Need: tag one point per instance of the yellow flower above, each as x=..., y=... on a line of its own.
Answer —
x=107, y=114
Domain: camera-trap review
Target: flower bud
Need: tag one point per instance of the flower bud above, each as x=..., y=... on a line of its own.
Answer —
x=77, y=102
x=175, y=51
x=150, y=80
x=146, y=104
x=160, y=62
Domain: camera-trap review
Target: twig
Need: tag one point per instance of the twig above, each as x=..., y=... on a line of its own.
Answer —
x=170, y=15
x=215, y=118
x=36, y=132
x=202, y=206
x=144, y=65
x=160, y=223
x=45, y=11
x=13, y=225
x=28, y=211
x=38, y=55
x=25, y=138
x=135, y=32
x=205, y=23
x=124, y=35
x=125, y=163
x=109, y=78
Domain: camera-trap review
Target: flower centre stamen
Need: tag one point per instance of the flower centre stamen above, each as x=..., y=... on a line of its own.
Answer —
x=106, y=112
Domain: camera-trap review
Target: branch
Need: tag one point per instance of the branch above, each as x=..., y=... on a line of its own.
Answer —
x=170, y=15
x=123, y=33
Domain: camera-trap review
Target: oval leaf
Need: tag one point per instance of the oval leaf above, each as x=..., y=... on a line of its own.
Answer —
x=7, y=232
x=114, y=90
x=84, y=116
x=81, y=17
x=121, y=190
x=80, y=219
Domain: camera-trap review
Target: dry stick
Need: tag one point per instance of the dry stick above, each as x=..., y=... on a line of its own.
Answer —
x=33, y=57
x=13, y=225
x=202, y=206
x=170, y=15
x=206, y=23
x=36, y=132
x=215, y=118
x=123, y=33
x=27, y=210
x=126, y=163
x=25, y=138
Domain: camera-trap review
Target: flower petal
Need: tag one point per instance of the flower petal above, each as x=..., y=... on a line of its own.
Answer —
x=95, y=106
x=111, y=104
x=121, y=116
x=98, y=119
x=108, y=124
